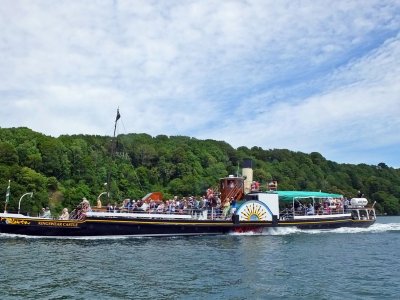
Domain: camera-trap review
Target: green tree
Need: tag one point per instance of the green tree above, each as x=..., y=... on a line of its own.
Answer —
x=8, y=154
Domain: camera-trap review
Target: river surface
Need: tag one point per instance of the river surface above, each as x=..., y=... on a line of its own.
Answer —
x=287, y=263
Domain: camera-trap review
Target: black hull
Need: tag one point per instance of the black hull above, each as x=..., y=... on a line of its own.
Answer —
x=326, y=224
x=103, y=227
x=155, y=227
x=362, y=223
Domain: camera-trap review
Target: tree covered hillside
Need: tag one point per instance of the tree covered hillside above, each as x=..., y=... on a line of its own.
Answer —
x=61, y=171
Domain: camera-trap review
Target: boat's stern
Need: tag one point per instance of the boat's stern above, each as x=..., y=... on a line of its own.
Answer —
x=362, y=215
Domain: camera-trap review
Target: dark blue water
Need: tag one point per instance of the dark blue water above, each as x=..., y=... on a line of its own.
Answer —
x=280, y=264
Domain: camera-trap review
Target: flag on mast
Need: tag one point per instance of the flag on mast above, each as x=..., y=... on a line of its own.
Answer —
x=118, y=115
x=8, y=192
x=7, y=196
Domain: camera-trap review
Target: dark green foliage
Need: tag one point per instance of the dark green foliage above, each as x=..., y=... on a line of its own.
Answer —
x=61, y=171
x=8, y=154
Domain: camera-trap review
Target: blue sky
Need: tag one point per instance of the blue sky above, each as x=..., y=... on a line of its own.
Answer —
x=307, y=76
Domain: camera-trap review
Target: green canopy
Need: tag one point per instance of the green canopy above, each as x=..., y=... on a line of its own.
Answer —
x=288, y=196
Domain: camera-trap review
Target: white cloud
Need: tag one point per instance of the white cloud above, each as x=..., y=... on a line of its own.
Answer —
x=358, y=112
x=270, y=72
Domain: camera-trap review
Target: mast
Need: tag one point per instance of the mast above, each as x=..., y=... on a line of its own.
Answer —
x=115, y=128
x=113, y=148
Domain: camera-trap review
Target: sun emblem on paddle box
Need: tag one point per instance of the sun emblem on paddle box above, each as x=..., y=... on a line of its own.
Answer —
x=253, y=211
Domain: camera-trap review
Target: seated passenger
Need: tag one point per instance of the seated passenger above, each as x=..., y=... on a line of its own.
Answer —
x=145, y=206
x=319, y=209
x=47, y=213
x=85, y=205
x=65, y=214
x=327, y=209
x=160, y=207
x=130, y=205
x=152, y=206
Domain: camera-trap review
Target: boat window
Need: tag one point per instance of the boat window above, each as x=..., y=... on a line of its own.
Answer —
x=363, y=215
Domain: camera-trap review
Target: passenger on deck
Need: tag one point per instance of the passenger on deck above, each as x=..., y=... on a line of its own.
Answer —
x=226, y=207
x=145, y=206
x=174, y=206
x=124, y=205
x=255, y=186
x=129, y=205
x=327, y=209
x=168, y=206
x=184, y=206
x=65, y=214
x=177, y=204
x=339, y=205
x=299, y=208
x=86, y=205
x=195, y=204
x=161, y=207
x=207, y=203
x=210, y=194
x=319, y=209
x=310, y=209
x=233, y=205
x=152, y=206
x=98, y=203
x=47, y=213
x=196, y=207
x=134, y=205
x=346, y=204
x=212, y=207
x=202, y=203
x=218, y=208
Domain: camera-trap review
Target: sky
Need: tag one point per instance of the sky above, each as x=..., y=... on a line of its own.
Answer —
x=310, y=76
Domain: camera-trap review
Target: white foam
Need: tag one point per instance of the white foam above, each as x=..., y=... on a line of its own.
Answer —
x=281, y=231
x=375, y=228
x=244, y=233
x=270, y=231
